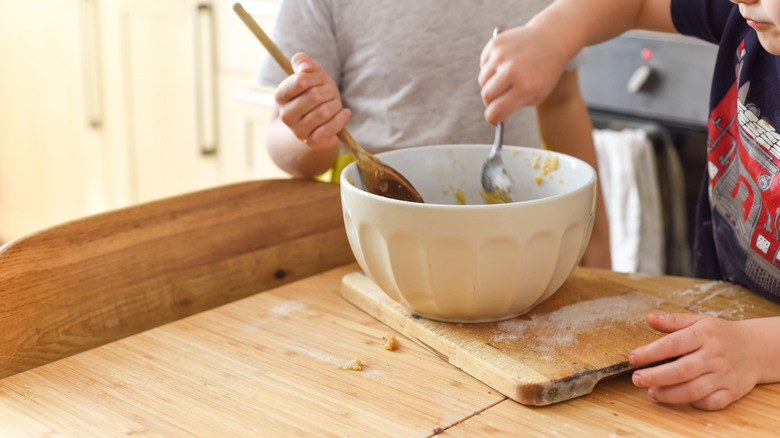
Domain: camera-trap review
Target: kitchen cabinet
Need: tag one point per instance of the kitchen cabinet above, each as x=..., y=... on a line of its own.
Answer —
x=244, y=114
x=189, y=66
x=108, y=103
x=244, y=106
x=197, y=118
x=51, y=144
x=170, y=87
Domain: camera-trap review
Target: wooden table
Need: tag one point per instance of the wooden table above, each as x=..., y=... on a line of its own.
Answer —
x=270, y=365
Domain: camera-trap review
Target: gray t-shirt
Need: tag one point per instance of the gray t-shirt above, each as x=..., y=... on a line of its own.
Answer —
x=407, y=69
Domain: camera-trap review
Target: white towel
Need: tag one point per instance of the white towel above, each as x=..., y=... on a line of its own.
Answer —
x=629, y=183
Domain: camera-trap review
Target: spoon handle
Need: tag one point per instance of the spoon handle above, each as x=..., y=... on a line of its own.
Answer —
x=352, y=145
x=379, y=178
x=284, y=63
x=498, y=140
x=269, y=45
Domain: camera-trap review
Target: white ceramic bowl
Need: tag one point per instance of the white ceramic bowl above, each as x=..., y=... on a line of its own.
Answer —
x=475, y=262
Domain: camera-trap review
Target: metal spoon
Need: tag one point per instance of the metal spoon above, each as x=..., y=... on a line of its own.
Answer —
x=378, y=177
x=496, y=182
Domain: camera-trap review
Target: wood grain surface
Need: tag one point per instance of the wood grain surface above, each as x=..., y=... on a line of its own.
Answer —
x=570, y=342
x=82, y=284
x=270, y=365
x=265, y=366
x=617, y=409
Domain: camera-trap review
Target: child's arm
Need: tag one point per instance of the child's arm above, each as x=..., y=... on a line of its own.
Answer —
x=521, y=66
x=308, y=107
x=718, y=361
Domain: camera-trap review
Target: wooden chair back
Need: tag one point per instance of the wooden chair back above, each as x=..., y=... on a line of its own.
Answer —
x=91, y=281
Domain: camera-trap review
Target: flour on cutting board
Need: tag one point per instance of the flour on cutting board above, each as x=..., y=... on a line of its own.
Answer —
x=737, y=307
x=701, y=287
x=562, y=326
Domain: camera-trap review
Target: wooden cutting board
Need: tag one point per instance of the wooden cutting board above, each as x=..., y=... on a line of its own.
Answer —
x=563, y=347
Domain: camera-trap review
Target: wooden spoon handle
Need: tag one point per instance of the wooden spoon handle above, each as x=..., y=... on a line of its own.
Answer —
x=284, y=63
x=269, y=45
x=379, y=178
x=357, y=151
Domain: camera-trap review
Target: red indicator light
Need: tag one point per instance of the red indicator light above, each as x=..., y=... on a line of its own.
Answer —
x=647, y=54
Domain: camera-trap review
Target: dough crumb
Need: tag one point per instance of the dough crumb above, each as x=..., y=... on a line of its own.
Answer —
x=353, y=365
x=550, y=164
x=390, y=343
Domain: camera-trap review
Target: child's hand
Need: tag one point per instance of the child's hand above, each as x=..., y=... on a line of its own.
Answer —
x=519, y=67
x=719, y=361
x=310, y=104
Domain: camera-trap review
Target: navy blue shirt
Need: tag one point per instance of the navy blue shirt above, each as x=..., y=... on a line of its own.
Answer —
x=738, y=215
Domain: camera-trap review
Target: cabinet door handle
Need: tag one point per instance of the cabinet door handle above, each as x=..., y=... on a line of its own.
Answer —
x=93, y=80
x=206, y=79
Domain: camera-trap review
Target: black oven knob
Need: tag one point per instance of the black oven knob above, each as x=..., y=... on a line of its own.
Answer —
x=639, y=78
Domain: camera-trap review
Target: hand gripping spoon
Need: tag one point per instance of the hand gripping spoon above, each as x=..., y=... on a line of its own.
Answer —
x=496, y=183
x=378, y=177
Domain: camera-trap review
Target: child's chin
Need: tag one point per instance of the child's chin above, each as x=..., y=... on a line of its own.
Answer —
x=770, y=44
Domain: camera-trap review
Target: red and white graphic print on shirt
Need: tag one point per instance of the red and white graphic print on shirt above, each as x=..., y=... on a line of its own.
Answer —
x=744, y=170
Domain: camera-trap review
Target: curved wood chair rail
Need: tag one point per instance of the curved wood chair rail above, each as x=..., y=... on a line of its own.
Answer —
x=94, y=280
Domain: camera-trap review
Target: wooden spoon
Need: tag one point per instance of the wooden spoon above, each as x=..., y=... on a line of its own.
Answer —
x=378, y=177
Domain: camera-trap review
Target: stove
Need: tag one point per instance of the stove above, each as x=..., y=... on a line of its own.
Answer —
x=659, y=83
x=651, y=76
